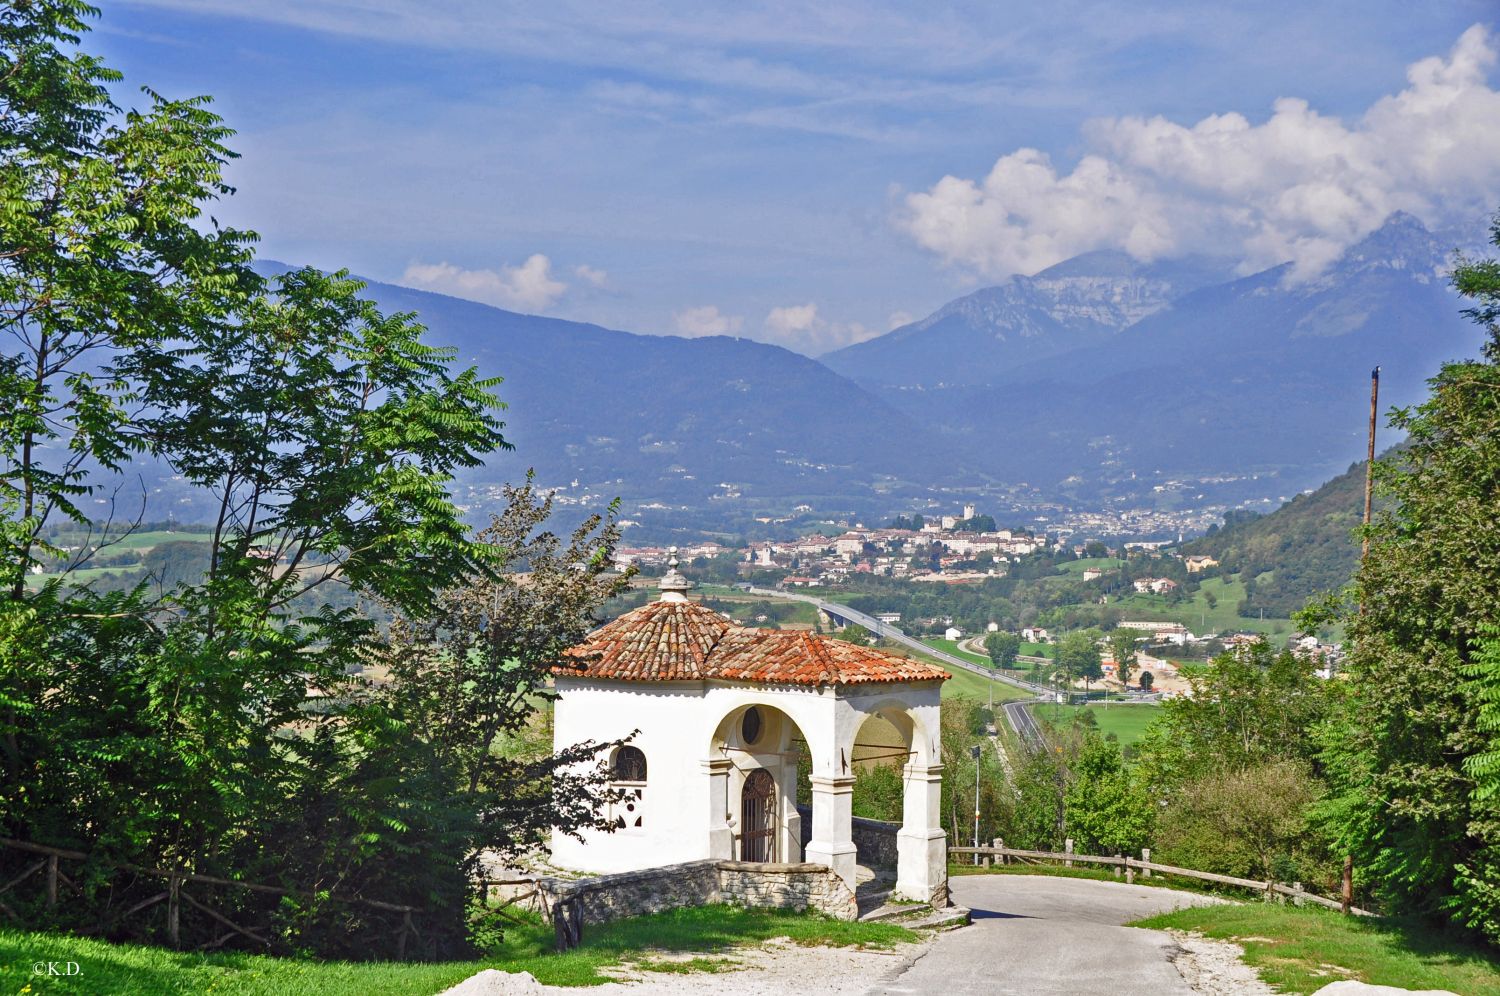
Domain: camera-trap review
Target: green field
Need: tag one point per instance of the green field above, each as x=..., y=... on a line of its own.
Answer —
x=1127, y=722
x=1196, y=614
x=137, y=541
x=951, y=646
x=1075, y=568
x=970, y=685
x=1302, y=949
x=525, y=947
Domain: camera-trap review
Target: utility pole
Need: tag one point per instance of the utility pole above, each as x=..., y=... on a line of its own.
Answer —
x=1370, y=460
x=974, y=752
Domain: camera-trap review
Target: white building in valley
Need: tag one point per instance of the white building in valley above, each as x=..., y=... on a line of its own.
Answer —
x=718, y=717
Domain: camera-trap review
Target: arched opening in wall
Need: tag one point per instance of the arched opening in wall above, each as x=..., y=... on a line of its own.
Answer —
x=627, y=770
x=881, y=750
x=768, y=771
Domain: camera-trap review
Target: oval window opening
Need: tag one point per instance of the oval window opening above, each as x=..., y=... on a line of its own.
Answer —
x=751, y=727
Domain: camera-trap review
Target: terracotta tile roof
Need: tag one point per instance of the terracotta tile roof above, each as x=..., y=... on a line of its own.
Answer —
x=673, y=641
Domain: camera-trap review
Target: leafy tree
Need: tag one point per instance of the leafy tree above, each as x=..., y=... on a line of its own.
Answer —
x=1249, y=707
x=1078, y=656
x=1407, y=760
x=1003, y=649
x=1147, y=680
x=216, y=720
x=1250, y=822
x=857, y=635
x=962, y=728
x=879, y=793
x=1122, y=649
x=106, y=252
x=1107, y=811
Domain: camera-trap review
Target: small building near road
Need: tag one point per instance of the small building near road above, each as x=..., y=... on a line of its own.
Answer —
x=716, y=719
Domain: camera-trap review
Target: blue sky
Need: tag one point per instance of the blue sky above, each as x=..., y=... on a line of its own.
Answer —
x=812, y=174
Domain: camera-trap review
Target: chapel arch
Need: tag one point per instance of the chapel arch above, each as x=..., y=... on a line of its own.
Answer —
x=893, y=747
x=758, y=757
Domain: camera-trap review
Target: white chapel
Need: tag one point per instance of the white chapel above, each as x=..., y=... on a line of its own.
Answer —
x=722, y=715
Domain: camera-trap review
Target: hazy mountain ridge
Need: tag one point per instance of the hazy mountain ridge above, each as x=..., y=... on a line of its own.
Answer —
x=1045, y=380
x=1257, y=375
x=984, y=336
x=670, y=418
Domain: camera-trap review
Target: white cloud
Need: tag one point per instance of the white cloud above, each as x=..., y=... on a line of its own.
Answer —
x=529, y=287
x=590, y=275
x=799, y=327
x=706, y=320
x=1300, y=186
x=898, y=319
x=791, y=320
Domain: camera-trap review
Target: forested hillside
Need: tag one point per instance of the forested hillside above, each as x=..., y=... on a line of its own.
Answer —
x=1302, y=549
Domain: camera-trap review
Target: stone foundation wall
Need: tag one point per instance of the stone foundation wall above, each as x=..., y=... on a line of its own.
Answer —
x=650, y=890
x=799, y=886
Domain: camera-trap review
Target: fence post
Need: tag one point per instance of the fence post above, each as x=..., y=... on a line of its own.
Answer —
x=1348, y=890
x=52, y=882
x=1117, y=868
x=1146, y=857
x=999, y=844
x=1129, y=871
x=174, y=911
x=1068, y=849
x=1297, y=899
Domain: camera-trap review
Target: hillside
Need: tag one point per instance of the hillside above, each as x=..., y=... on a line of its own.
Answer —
x=663, y=419
x=986, y=336
x=1306, y=546
x=1256, y=376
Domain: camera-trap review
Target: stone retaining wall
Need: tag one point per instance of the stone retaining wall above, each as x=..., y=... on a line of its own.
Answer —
x=801, y=885
x=874, y=839
x=798, y=886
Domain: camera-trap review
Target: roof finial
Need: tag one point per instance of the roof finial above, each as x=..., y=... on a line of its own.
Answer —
x=673, y=585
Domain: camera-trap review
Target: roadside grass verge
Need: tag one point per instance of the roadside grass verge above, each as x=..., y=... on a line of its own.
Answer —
x=1127, y=721
x=646, y=943
x=1302, y=949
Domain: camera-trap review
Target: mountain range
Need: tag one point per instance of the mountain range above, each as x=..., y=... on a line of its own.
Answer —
x=1257, y=375
x=1100, y=379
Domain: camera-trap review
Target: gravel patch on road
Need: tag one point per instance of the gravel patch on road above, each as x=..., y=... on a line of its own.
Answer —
x=776, y=966
x=1214, y=967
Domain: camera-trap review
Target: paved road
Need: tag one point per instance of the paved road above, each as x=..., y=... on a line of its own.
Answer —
x=1044, y=935
x=895, y=633
x=1025, y=725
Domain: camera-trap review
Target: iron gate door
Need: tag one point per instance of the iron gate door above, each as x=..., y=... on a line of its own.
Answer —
x=758, y=817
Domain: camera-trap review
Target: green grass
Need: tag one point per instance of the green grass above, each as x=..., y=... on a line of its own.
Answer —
x=1076, y=568
x=968, y=684
x=1038, y=650
x=1302, y=949
x=951, y=646
x=1196, y=614
x=1127, y=722
x=641, y=942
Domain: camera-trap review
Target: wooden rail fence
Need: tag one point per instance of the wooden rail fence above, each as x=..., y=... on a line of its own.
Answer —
x=1146, y=866
x=174, y=896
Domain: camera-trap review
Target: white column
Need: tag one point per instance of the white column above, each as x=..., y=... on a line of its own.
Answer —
x=789, y=842
x=720, y=834
x=832, y=841
x=921, y=844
